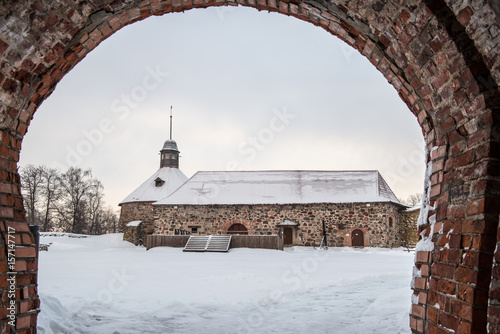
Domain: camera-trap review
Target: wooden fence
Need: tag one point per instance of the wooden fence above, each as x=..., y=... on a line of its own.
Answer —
x=237, y=241
x=158, y=240
x=257, y=241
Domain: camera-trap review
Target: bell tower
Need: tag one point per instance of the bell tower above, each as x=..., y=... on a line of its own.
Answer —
x=169, y=154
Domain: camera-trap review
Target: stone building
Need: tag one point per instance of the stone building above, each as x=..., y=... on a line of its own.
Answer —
x=358, y=207
x=137, y=207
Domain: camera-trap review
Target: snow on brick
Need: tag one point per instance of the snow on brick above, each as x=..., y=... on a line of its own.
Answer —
x=134, y=223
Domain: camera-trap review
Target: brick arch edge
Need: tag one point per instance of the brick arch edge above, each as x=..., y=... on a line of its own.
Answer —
x=436, y=73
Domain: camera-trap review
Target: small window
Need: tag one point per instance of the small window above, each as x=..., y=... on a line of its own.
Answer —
x=390, y=221
x=159, y=182
x=174, y=157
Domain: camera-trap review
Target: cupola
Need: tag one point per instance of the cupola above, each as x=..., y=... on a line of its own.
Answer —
x=169, y=154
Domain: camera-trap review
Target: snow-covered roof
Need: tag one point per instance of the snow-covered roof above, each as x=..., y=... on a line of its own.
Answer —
x=150, y=192
x=287, y=222
x=415, y=208
x=134, y=223
x=281, y=187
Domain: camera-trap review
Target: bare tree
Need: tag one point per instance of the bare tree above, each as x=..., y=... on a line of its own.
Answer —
x=414, y=199
x=31, y=188
x=51, y=194
x=70, y=201
x=110, y=220
x=94, y=199
x=76, y=183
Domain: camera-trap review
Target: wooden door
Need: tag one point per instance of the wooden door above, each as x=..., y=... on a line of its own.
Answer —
x=287, y=236
x=237, y=229
x=357, y=238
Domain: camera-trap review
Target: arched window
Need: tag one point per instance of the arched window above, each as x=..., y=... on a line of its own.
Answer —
x=390, y=221
x=237, y=229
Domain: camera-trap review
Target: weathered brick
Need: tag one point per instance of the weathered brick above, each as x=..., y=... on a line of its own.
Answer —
x=25, y=252
x=466, y=275
x=420, y=283
x=448, y=321
x=3, y=47
x=443, y=269
x=464, y=15
x=475, y=207
x=447, y=287
x=23, y=322
x=418, y=311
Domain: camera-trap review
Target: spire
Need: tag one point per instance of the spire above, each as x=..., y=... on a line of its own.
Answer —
x=169, y=154
x=170, y=122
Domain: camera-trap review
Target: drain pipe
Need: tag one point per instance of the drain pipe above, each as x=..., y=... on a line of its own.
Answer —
x=35, y=230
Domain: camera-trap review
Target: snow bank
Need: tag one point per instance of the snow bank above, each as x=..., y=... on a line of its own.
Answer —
x=62, y=234
x=56, y=319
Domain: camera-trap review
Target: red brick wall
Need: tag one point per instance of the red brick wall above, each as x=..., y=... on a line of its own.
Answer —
x=441, y=56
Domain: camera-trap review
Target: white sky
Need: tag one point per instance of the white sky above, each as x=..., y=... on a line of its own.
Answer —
x=230, y=72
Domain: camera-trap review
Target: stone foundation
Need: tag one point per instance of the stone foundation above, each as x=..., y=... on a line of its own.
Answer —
x=134, y=234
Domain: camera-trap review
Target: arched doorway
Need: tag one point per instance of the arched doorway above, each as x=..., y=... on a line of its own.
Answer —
x=357, y=238
x=237, y=229
x=437, y=54
x=287, y=236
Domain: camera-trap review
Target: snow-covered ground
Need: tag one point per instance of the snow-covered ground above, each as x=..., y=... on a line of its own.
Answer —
x=103, y=285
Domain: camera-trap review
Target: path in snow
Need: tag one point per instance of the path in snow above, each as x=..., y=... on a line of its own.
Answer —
x=102, y=285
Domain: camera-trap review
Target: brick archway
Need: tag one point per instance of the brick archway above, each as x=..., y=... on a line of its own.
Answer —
x=443, y=58
x=237, y=229
x=226, y=225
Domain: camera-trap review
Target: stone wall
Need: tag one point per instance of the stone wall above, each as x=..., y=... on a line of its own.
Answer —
x=142, y=211
x=340, y=219
x=134, y=234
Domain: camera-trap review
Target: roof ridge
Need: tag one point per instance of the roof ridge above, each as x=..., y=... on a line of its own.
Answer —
x=173, y=192
x=381, y=179
x=288, y=170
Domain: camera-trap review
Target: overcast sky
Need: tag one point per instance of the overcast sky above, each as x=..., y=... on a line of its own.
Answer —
x=250, y=90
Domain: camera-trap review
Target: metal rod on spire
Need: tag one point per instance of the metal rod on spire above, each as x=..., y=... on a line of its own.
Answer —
x=170, y=122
